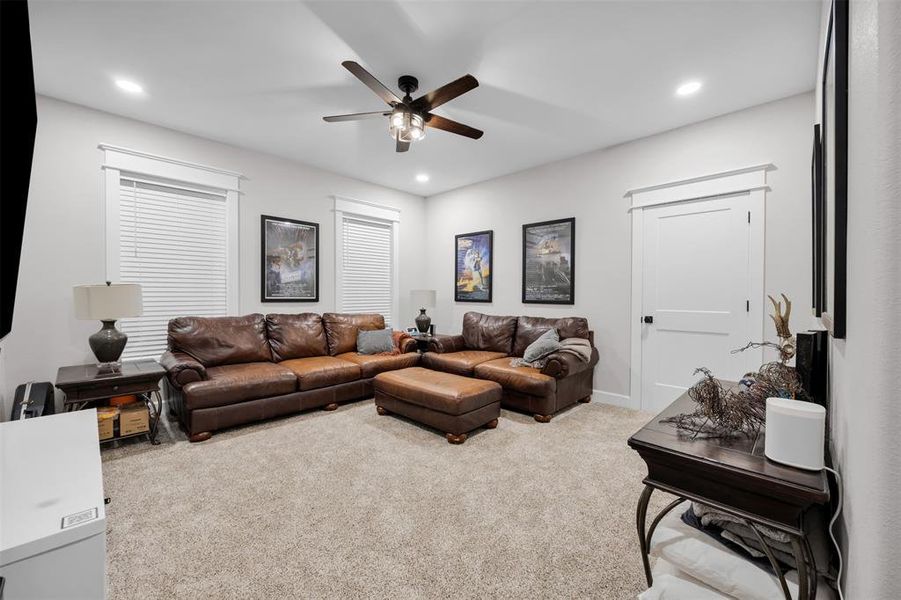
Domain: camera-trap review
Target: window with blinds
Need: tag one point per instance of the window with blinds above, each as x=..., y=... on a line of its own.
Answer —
x=366, y=267
x=172, y=241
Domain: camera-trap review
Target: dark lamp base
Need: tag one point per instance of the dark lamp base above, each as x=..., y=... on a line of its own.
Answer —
x=423, y=321
x=108, y=344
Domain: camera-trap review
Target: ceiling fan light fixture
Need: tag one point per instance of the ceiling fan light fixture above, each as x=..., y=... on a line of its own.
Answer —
x=405, y=126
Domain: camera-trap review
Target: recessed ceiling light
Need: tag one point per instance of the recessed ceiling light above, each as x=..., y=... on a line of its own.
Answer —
x=688, y=88
x=126, y=85
x=422, y=178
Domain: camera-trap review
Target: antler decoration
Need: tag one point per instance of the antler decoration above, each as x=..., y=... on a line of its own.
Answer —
x=786, y=339
x=726, y=411
x=780, y=318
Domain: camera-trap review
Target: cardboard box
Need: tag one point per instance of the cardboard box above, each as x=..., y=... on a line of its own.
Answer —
x=134, y=418
x=106, y=421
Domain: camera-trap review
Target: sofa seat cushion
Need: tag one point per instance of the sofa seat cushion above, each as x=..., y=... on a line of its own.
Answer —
x=526, y=380
x=373, y=364
x=443, y=392
x=230, y=384
x=459, y=363
x=316, y=372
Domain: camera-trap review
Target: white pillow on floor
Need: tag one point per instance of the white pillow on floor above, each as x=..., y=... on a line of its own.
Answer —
x=714, y=565
x=670, y=583
x=670, y=587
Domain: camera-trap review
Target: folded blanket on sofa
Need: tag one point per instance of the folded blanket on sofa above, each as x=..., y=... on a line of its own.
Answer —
x=576, y=346
x=398, y=338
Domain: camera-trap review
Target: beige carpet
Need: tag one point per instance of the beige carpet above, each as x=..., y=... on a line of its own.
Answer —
x=349, y=504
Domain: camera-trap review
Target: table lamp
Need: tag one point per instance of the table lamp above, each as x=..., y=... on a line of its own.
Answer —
x=108, y=303
x=424, y=299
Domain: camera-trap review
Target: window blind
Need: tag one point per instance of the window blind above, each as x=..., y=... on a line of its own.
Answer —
x=366, y=278
x=172, y=241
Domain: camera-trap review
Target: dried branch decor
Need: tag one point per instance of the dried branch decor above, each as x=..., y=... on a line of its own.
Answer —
x=725, y=412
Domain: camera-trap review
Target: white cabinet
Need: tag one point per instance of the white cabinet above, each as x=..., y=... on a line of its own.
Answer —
x=52, y=517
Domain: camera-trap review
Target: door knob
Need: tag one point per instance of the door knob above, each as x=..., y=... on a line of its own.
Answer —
x=649, y=319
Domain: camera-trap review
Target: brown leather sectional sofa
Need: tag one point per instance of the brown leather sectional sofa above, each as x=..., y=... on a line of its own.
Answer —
x=488, y=342
x=225, y=371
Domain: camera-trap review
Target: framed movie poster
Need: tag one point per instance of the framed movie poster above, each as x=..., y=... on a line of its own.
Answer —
x=818, y=274
x=290, y=260
x=473, y=253
x=834, y=134
x=549, y=262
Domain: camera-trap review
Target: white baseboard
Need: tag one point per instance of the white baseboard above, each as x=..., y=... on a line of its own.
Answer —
x=613, y=399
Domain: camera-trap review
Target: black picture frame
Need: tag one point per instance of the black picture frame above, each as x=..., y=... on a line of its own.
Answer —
x=818, y=222
x=272, y=290
x=834, y=179
x=537, y=286
x=483, y=239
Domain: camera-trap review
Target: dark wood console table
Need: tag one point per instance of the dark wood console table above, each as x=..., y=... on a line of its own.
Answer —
x=85, y=384
x=735, y=477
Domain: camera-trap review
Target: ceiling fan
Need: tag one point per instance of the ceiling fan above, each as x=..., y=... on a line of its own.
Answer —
x=408, y=118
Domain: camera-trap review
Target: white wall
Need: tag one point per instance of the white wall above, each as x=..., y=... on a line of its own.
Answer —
x=865, y=399
x=64, y=234
x=590, y=187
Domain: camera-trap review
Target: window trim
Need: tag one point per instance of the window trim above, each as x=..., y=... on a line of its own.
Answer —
x=360, y=209
x=119, y=161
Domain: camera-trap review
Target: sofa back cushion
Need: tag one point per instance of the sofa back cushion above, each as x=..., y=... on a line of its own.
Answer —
x=341, y=329
x=488, y=332
x=529, y=329
x=296, y=336
x=215, y=341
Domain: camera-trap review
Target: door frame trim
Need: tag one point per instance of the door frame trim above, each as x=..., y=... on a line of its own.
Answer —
x=750, y=180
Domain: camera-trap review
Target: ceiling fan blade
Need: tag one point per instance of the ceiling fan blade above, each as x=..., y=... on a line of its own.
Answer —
x=445, y=93
x=439, y=122
x=402, y=146
x=356, y=116
x=371, y=82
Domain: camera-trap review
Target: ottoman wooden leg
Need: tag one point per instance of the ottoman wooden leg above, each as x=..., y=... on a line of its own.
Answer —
x=543, y=418
x=453, y=438
x=200, y=437
x=332, y=406
x=585, y=400
x=491, y=424
x=382, y=410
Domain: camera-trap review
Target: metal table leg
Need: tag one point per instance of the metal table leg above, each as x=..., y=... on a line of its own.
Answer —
x=155, y=404
x=640, y=518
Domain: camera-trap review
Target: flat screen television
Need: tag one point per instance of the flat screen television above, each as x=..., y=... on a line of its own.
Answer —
x=18, y=123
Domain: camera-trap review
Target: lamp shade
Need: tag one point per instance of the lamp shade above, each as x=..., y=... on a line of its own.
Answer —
x=423, y=298
x=108, y=302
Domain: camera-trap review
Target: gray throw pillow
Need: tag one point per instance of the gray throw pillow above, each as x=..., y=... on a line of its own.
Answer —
x=375, y=341
x=547, y=343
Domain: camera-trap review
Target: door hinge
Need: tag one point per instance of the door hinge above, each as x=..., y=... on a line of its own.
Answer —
x=747, y=306
x=749, y=216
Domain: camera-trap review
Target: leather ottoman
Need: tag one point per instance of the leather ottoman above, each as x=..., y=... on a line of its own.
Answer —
x=450, y=403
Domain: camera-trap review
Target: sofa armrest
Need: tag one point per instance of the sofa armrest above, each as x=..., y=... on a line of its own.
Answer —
x=442, y=344
x=182, y=368
x=563, y=364
x=406, y=344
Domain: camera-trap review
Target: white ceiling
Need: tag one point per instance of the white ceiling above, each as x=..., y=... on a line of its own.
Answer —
x=557, y=78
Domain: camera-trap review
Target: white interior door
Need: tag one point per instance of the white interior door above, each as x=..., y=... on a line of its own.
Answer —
x=696, y=294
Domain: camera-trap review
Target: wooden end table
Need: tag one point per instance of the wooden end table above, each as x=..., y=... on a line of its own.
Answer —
x=422, y=341
x=86, y=384
x=733, y=476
